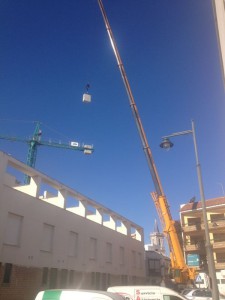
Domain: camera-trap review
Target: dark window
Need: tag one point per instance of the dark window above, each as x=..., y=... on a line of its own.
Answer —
x=220, y=257
x=53, y=278
x=108, y=280
x=7, y=273
x=218, y=237
x=63, y=279
x=104, y=287
x=97, y=280
x=194, y=221
x=45, y=276
x=154, y=266
x=217, y=217
x=124, y=279
x=71, y=277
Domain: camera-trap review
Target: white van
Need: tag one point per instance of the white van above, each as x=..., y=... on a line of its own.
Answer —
x=76, y=295
x=145, y=293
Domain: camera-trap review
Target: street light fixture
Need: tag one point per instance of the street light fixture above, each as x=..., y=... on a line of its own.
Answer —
x=167, y=144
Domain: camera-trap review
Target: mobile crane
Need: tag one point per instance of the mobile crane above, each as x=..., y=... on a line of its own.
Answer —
x=182, y=274
x=36, y=141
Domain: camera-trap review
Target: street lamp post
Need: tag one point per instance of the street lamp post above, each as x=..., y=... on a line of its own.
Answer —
x=167, y=144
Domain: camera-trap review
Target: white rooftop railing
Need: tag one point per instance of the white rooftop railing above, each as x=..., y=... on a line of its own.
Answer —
x=53, y=192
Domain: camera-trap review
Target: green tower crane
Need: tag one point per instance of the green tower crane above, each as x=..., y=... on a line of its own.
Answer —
x=36, y=141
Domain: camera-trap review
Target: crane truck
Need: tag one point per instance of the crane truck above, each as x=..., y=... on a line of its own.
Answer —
x=182, y=274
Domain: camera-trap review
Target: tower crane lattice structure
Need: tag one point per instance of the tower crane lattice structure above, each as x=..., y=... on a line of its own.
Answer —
x=35, y=141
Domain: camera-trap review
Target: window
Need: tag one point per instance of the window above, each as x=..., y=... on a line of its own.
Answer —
x=53, y=278
x=139, y=260
x=63, y=278
x=71, y=277
x=154, y=266
x=220, y=257
x=197, y=241
x=47, y=238
x=133, y=254
x=121, y=256
x=93, y=248
x=73, y=244
x=219, y=237
x=194, y=221
x=108, y=252
x=216, y=217
x=45, y=276
x=13, y=230
x=7, y=273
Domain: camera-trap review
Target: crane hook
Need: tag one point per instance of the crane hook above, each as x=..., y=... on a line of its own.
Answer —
x=86, y=95
x=87, y=87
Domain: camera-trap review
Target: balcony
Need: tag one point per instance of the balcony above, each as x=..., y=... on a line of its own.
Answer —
x=220, y=265
x=192, y=228
x=220, y=224
x=218, y=244
x=191, y=247
x=198, y=246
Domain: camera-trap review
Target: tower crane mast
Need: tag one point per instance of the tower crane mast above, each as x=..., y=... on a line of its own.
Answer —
x=35, y=141
x=181, y=272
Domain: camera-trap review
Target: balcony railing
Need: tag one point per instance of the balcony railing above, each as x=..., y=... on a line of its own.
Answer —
x=198, y=246
x=192, y=228
x=220, y=224
x=217, y=224
x=220, y=265
x=218, y=244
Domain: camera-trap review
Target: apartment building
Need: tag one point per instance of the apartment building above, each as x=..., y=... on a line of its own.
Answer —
x=194, y=235
x=194, y=231
x=52, y=236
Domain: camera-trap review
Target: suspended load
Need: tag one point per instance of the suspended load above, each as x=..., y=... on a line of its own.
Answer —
x=87, y=96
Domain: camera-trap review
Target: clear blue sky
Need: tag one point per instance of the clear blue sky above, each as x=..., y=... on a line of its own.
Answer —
x=51, y=49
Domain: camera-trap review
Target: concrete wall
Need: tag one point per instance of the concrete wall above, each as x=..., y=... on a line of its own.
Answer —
x=61, y=237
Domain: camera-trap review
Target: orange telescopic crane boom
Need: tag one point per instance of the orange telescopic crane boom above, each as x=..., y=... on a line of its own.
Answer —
x=181, y=272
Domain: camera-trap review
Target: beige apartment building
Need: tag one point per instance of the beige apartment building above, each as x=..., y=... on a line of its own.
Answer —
x=52, y=236
x=193, y=229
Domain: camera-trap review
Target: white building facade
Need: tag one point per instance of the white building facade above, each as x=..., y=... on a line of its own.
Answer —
x=51, y=236
x=219, y=16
